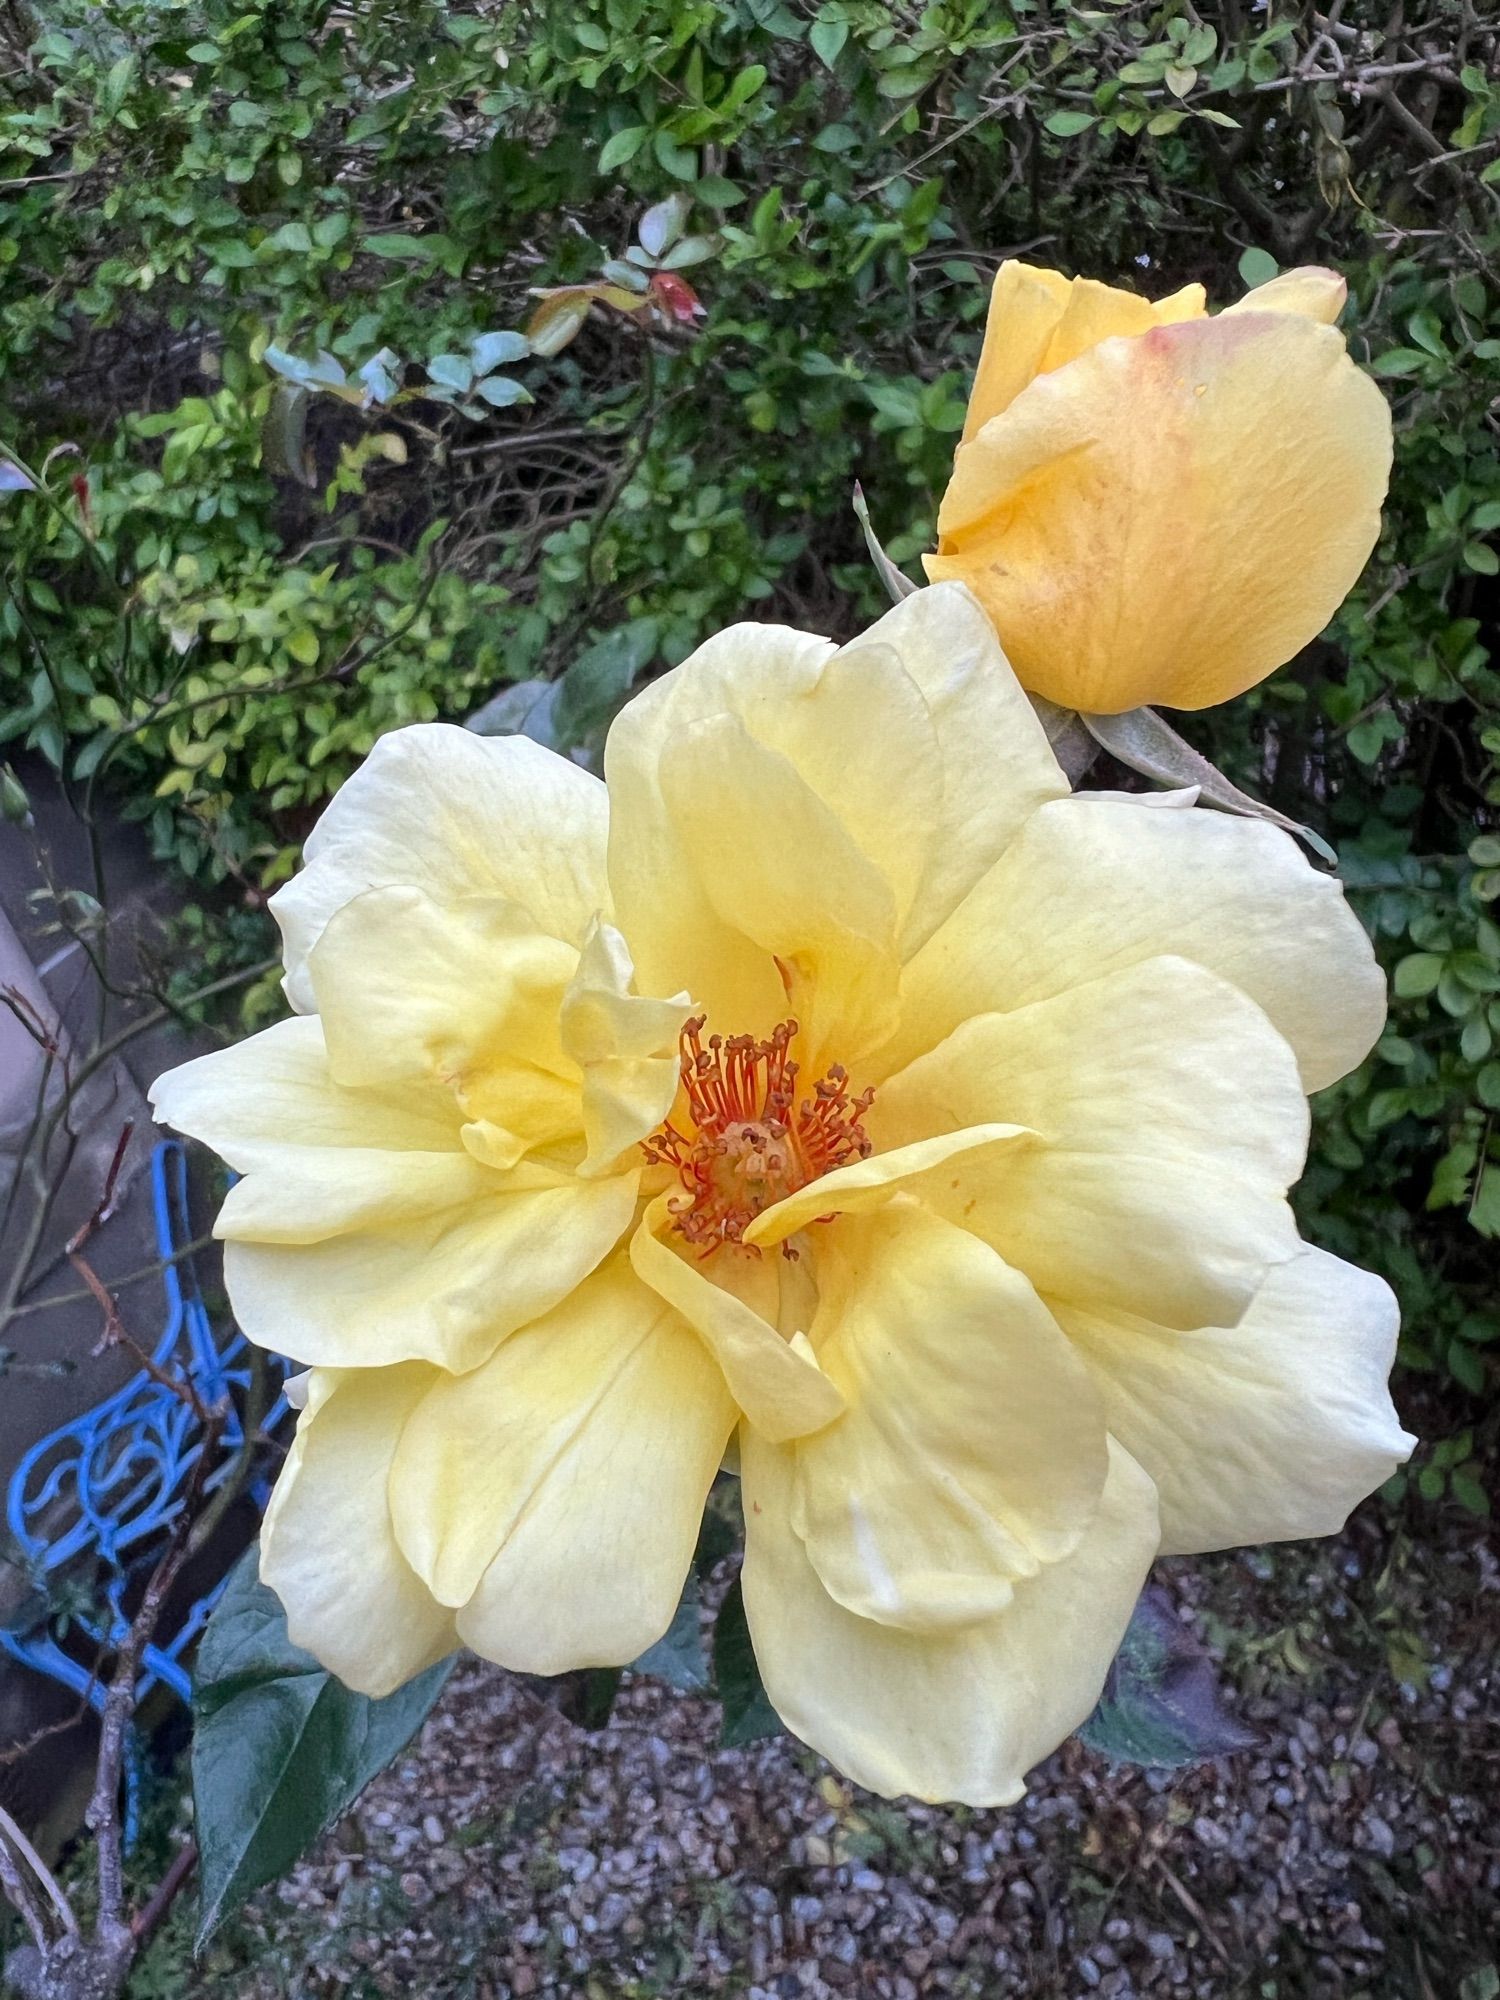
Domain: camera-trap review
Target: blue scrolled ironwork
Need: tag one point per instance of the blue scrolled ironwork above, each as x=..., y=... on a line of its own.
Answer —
x=93, y=1502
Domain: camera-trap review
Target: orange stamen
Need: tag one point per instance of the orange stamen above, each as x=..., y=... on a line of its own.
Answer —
x=751, y=1144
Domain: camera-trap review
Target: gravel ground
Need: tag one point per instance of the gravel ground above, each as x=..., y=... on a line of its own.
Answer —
x=1356, y=1852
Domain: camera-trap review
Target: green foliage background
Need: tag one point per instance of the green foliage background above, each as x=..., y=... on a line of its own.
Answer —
x=271, y=575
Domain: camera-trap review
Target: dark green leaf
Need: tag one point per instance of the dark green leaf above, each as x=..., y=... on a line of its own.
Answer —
x=1401, y=361
x=678, y=1657
x=1161, y=1703
x=601, y=677
x=396, y=246
x=1417, y=974
x=596, y=1697
x=828, y=39
x=284, y=433
x=1466, y=1367
x=748, y=1713
x=280, y=1747
x=681, y=162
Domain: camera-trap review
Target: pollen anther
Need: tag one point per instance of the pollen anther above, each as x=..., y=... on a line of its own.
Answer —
x=747, y=1142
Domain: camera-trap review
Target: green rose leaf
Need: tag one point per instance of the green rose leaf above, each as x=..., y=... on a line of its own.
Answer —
x=748, y=1713
x=677, y=1657
x=601, y=677
x=280, y=1747
x=1161, y=1704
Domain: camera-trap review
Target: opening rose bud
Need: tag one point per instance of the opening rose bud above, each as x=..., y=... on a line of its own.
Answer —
x=1155, y=506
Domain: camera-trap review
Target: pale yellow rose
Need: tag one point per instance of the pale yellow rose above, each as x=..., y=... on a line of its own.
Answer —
x=1156, y=507
x=532, y=1222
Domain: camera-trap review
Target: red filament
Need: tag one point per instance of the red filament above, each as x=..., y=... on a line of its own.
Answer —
x=744, y=1142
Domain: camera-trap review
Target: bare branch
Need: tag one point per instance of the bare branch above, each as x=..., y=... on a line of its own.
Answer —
x=12, y=1836
x=103, y=1816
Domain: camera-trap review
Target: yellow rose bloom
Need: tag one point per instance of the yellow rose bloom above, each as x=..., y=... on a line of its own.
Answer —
x=1155, y=506
x=833, y=1087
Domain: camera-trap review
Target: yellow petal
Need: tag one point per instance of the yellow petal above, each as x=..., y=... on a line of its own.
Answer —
x=625, y=1047
x=777, y=865
x=871, y=1183
x=940, y=1715
x=327, y=1547
x=458, y=815
x=306, y=1194
x=445, y=1287
x=1265, y=1432
x=1171, y=1123
x=1039, y=320
x=973, y=1448
x=992, y=753
x=1312, y=291
x=369, y=1227
x=1098, y=312
x=885, y=799
x=1170, y=517
x=466, y=995
x=274, y=1090
x=1094, y=885
x=677, y=936
x=782, y=1391
x=748, y=750
x=1026, y=304
x=554, y=1495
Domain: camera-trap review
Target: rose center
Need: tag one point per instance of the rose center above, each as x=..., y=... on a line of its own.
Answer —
x=744, y=1141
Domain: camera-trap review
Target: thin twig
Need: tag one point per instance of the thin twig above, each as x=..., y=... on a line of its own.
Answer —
x=1195, y=1910
x=11, y=1833
x=14, y=1752
x=103, y=1817
x=146, y=1920
x=157, y=1268
x=22, y=1898
x=105, y=1207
